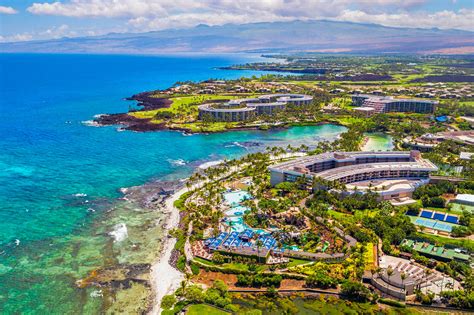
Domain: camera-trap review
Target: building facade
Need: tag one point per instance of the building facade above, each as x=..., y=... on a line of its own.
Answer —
x=248, y=108
x=388, y=104
x=401, y=171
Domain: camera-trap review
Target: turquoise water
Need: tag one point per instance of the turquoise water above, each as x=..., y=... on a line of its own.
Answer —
x=60, y=179
x=235, y=213
x=235, y=197
x=378, y=142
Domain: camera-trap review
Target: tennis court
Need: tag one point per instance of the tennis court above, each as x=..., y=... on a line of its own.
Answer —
x=433, y=224
x=426, y=214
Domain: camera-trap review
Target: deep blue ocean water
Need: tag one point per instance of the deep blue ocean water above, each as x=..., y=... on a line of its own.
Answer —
x=49, y=157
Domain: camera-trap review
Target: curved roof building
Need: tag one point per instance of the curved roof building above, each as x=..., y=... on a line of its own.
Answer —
x=247, y=108
x=398, y=171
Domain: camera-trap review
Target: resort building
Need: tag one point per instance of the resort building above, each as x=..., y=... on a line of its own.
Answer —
x=391, y=174
x=387, y=104
x=248, y=108
x=429, y=141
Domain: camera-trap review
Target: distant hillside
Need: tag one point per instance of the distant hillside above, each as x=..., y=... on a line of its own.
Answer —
x=323, y=36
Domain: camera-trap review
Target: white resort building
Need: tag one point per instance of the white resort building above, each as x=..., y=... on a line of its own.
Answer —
x=393, y=174
x=247, y=108
x=372, y=104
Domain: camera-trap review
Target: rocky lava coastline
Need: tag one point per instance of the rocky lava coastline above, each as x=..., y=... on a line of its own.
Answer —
x=146, y=102
x=124, y=282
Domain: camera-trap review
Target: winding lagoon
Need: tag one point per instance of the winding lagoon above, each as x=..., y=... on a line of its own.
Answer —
x=60, y=216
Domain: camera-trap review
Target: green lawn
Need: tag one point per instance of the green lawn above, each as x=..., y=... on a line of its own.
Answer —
x=234, y=265
x=200, y=309
x=338, y=215
x=208, y=127
x=179, y=102
x=458, y=208
x=204, y=261
x=295, y=262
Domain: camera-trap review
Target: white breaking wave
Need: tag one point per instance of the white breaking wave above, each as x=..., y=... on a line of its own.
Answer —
x=90, y=123
x=203, y=166
x=80, y=195
x=178, y=162
x=120, y=232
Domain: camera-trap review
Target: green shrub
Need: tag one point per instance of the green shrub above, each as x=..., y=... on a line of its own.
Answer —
x=180, y=203
x=355, y=291
x=259, y=280
x=232, y=308
x=195, y=269
x=181, y=263
x=391, y=302
x=321, y=280
x=168, y=301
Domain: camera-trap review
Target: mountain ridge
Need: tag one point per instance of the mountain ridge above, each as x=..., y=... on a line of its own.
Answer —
x=298, y=35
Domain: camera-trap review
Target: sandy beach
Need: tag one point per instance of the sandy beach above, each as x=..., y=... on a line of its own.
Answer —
x=165, y=279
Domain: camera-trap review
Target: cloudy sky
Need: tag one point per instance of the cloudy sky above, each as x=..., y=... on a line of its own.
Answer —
x=44, y=19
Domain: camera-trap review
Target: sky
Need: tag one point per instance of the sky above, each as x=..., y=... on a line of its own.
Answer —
x=22, y=20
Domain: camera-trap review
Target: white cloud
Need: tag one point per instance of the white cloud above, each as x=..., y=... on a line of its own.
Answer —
x=110, y=8
x=145, y=15
x=163, y=8
x=7, y=10
x=16, y=38
x=50, y=33
x=463, y=19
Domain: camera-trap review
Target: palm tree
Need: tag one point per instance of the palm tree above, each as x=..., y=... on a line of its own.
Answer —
x=427, y=273
x=403, y=276
x=258, y=243
x=389, y=274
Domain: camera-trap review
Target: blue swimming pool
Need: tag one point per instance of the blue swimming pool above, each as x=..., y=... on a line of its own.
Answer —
x=236, y=224
x=236, y=211
x=233, y=198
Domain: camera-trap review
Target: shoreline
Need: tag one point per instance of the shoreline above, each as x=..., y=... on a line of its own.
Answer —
x=364, y=142
x=131, y=123
x=165, y=278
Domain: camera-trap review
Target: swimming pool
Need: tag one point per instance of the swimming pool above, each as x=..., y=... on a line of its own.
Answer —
x=237, y=211
x=233, y=198
x=236, y=224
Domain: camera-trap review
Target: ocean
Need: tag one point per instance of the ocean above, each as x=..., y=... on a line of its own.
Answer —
x=60, y=178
